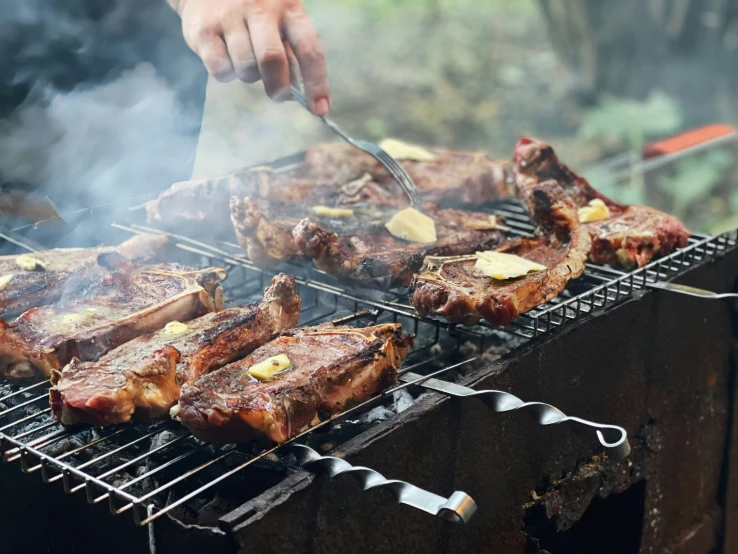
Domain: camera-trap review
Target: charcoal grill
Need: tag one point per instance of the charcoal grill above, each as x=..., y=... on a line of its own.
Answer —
x=155, y=469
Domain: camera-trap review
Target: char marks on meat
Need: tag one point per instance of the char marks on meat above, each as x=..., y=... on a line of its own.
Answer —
x=357, y=247
x=375, y=256
x=632, y=236
x=40, y=278
x=331, y=369
x=336, y=175
x=264, y=233
x=452, y=178
x=119, y=305
x=455, y=289
x=141, y=378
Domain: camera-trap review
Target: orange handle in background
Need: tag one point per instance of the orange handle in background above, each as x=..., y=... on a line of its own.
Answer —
x=687, y=140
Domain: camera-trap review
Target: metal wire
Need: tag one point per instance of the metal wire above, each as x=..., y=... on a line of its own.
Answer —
x=137, y=470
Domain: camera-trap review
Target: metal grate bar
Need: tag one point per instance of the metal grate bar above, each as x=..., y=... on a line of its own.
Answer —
x=323, y=298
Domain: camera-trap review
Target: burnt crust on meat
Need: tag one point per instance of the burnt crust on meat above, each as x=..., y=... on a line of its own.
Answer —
x=631, y=237
x=332, y=369
x=141, y=378
x=56, y=271
x=120, y=305
x=333, y=174
x=452, y=178
x=374, y=256
x=453, y=288
x=264, y=237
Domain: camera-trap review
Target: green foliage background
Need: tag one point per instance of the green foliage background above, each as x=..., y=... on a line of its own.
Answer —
x=477, y=74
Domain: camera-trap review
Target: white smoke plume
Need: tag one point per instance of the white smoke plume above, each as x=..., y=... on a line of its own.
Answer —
x=92, y=144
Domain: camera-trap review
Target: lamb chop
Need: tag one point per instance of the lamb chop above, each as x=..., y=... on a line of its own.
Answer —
x=631, y=236
x=141, y=378
x=454, y=287
x=40, y=278
x=329, y=369
x=357, y=247
x=120, y=305
x=335, y=174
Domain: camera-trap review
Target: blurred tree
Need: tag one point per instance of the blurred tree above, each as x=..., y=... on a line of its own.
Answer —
x=689, y=48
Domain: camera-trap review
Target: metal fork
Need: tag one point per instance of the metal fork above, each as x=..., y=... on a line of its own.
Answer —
x=397, y=172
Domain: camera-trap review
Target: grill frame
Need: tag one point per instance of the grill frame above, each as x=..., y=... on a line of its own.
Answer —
x=604, y=287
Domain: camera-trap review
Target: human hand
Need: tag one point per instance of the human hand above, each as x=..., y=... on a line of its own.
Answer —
x=252, y=40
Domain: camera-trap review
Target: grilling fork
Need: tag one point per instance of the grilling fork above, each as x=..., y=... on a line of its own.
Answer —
x=397, y=172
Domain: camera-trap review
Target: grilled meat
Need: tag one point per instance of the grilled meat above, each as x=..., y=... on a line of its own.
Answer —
x=141, y=378
x=331, y=368
x=358, y=247
x=373, y=255
x=455, y=289
x=264, y=232
x=334, y=174
x=205, y=202
x=632, y=236
x=456, y=178
x=122, y=304
x=40, y=278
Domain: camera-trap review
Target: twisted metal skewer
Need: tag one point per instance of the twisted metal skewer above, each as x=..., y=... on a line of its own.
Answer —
x=458, y=508
x=612, y=437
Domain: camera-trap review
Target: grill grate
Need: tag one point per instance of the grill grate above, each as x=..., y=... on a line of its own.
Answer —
x=151, y=469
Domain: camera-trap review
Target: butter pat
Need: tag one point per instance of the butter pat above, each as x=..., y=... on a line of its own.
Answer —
x=29, y=263
x=403, y=151
x=410, y=224
x=504, y=266
x=4, y=280
x=325, y=211
x=175, y=328
x=268, y=368
x=596, y=211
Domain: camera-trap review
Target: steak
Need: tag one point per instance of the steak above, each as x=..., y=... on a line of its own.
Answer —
x=205, y=202
x=40, y=278
x=632, y=236
x=333, y=174
x=141, y=378
x=453, y=288
x=453, y=178
x=331, y=369
x=357, y=248
x=120, y=305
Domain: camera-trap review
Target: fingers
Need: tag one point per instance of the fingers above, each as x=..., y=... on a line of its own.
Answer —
x=294, y=66
x=212, y=50
x=242, y=56
x=271, y=57
x=305, y=43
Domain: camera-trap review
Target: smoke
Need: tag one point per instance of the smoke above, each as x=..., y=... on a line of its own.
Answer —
x=112, y=103
x=101, y=101
x=94, y=144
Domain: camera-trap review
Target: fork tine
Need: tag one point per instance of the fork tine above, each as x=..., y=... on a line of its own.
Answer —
x=397, y=172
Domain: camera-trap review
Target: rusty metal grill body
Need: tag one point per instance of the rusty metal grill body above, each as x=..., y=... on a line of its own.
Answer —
x=152, y=468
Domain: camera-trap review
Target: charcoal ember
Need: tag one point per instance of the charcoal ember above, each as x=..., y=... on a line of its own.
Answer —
x=71, y=442
x=163, y=438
